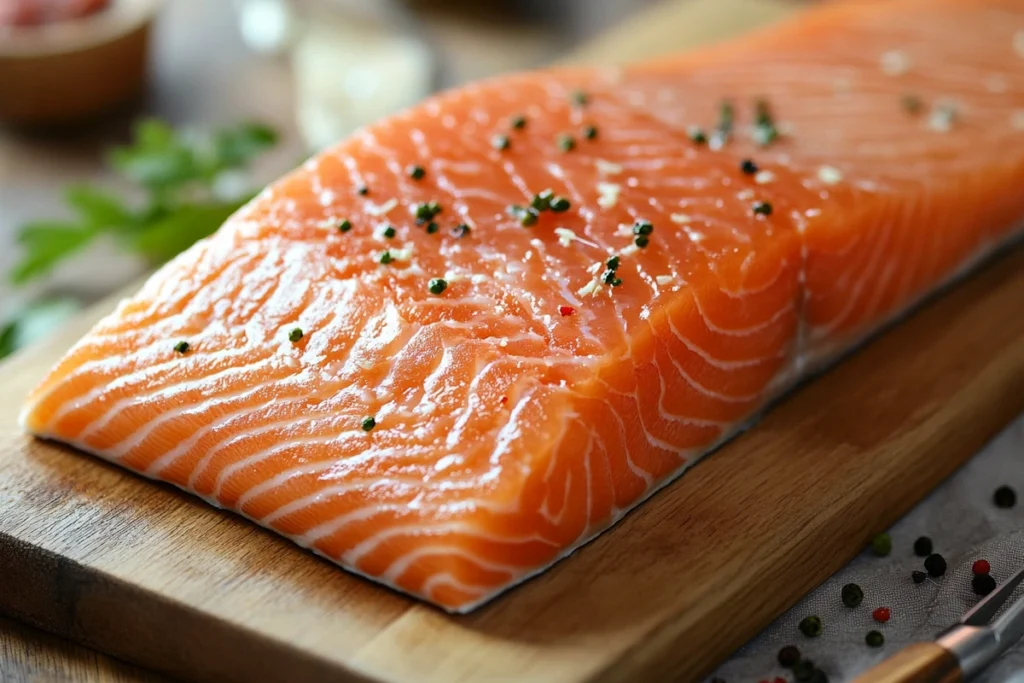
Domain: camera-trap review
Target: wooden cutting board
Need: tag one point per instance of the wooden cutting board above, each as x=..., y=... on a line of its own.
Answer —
x=153, y=576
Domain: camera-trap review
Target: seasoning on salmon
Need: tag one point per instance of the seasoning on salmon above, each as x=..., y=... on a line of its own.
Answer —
x=452, y=443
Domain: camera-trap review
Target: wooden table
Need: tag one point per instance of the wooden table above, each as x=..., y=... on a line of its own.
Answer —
x=34, y=169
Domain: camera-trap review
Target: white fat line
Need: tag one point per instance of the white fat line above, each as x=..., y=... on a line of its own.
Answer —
x=744, y=331
x=161, y=417
x=400, y=565
x=727, y=365
x=746, y=398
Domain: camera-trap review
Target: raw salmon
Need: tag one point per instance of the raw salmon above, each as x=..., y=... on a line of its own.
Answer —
x=456, y=346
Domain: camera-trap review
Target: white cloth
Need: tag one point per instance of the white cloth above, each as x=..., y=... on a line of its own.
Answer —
x=964, y=525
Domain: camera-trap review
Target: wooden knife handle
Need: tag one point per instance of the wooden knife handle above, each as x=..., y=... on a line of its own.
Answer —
x=918, y=663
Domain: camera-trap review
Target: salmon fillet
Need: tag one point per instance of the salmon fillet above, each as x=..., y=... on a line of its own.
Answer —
x=381, y=360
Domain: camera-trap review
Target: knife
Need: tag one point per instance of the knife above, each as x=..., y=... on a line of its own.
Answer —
x=964, y=650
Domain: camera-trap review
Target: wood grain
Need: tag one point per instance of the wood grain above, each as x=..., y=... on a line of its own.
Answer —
x=142, y=571
x=918, y=663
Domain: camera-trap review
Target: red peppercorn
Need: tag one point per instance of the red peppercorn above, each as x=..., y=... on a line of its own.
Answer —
x=981, y=567
x=566, y=310
x=881, y=615
x=779, y=679
x=504, y=400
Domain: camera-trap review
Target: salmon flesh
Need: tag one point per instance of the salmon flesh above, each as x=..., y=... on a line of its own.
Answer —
x=456, y=346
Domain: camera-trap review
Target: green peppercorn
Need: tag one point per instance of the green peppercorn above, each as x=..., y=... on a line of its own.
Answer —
x=432, y=227
x=542, y=200
x=923, y=546
x=642, y=227
x=697, y=135
x=579, y=98
x=804, y=670
x=852, y=595
x=566, y=142
x=528, y=217
x=295, y=335
x=761, y=208
x=560, y=204
x=642, y=241
x=437, y=285
x=765, y=135
x=748, y=167
x=789, y=656
x=881, y=545
x=345, y=225
x=811, y=626
x=461, y=230
x=416, y=172
x=385, y=258
x=182, y=347
x=874, y=639
x=369, y=422
x=362, y=190
x=500, y=142
x=389, y=232
x=613, y=263
x=517, y=122
x=589, y=132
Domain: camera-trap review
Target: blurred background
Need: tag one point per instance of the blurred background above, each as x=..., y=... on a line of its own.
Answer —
x=130, y=128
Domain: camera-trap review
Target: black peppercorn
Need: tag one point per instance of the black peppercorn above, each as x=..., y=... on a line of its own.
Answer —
x=852, y=595
x=935, y=564
x=1005, y=497
x=789, y=656
x=983, y=584
x=918, y=577
x=923, y=547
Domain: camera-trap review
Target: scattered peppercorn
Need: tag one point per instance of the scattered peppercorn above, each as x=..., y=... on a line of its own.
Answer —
x=560, y=205
x=983, y=584
x=369, y=422
x=385, y=258
x=416, y=172
x=566, y=310
x=935, y=564
x=765, y=131
x=762, y=208
x=389, y=232
x=819, y=676
x=874, y=639
x=295, y=335
x=610, y=278
x=459, y=231
x=881, y=545
x=748, y=167
x=697, y=135
x=811, y=626
x=911, y=103
x=542, y=200
x=362, y=190
x=852, y=595
x=643, y=228
x=345, y=225
x=518, y=122
x=981, y=567
x=642, y=241
x=589, y=132
x=500, y=142
x=726, y=116
x=881, y=614
x=579, y=98
x=426, y=211
x=437, y=285
x=803, y=670
x=1005, y=497
x=182, y=347
x=789, y=656
x=526, y=217
x=923, y=546
x=432, y=227
x=566, y=142
x=918, y=577
x=613, y=263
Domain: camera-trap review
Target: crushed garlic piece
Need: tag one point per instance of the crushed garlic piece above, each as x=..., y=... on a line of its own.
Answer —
x=609, y=194
x=608, y=168
x=382, y=209
x=829, y=175
x=764, y=177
